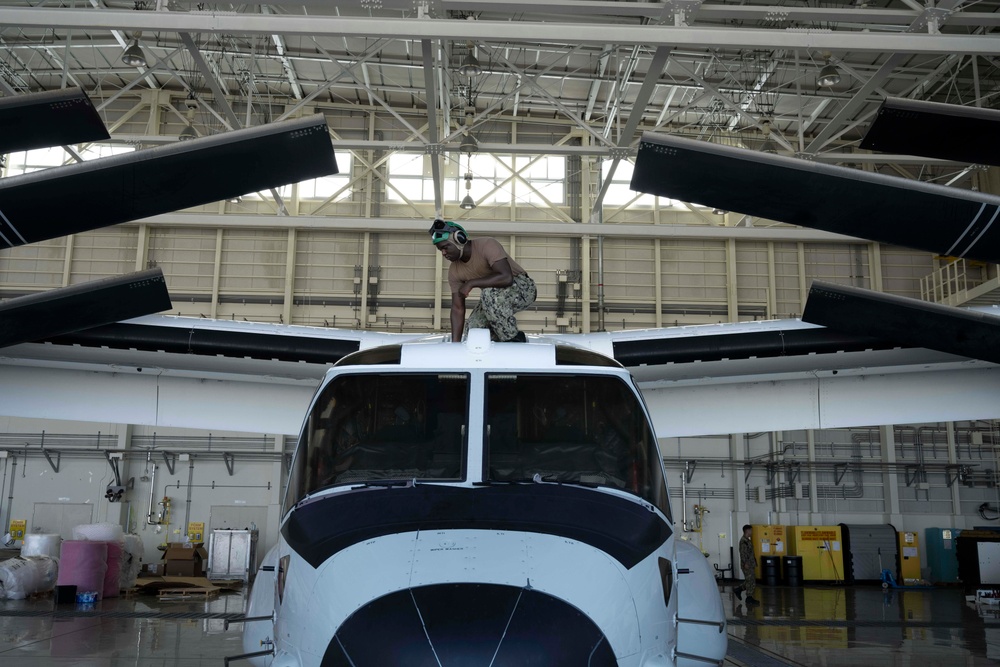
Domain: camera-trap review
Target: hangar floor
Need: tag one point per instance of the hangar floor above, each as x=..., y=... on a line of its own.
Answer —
x=812, y=625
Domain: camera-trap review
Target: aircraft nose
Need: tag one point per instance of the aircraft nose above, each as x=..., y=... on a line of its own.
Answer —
x=468, y=625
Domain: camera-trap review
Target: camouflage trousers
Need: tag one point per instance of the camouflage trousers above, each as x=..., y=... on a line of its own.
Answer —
x=497, y=306
x=750, y=582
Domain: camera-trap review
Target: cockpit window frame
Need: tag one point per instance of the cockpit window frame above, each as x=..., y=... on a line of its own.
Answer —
x=298, y=471
x=648, y=455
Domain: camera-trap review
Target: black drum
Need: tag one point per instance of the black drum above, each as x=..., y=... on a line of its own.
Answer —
x=792, y=566
x=770, y=568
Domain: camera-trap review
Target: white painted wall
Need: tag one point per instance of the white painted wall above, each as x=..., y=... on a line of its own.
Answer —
x=195, y=486
x=719, y=480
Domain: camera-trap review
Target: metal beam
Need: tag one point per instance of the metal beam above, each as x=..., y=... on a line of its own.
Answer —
x=656, y=66
x=222, y=100
x=499, y=31
x=860, y=98
x=503, y=227
x=232, y=122
x=656, y=11
x=286, y=63
x=936, y=15
x=432, y=125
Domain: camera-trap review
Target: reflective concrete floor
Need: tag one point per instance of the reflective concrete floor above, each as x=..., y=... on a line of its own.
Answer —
x=861, y=625
x=828, y=626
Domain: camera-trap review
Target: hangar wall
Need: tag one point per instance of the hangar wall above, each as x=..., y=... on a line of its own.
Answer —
x=913, y=476
x=201, y=489
x=394, y=281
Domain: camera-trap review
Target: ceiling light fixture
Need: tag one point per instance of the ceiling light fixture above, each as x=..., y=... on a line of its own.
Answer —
x=470, y=65
x=829, y=75
x=188, y=132
x=469, y=143
x=468, y=203
x=769, y=145
x=133, y=55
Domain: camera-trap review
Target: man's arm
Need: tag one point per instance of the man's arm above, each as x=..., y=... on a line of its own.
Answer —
x=501, y=276
x=458, y=315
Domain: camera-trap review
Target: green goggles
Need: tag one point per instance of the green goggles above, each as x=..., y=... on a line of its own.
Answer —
x=437, y=237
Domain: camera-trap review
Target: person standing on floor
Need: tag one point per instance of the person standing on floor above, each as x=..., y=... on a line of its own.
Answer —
x=482, y=262
x=748, y=564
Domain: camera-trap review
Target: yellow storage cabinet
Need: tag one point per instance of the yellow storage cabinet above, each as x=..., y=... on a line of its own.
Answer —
x=768, y=541
x=821, y=550
x=909, y=559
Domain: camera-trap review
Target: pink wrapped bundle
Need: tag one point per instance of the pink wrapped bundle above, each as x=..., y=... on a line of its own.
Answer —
x=83, y=564
x=112, y=579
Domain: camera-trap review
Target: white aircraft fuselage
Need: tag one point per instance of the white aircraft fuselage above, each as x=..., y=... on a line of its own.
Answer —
x=481, y=504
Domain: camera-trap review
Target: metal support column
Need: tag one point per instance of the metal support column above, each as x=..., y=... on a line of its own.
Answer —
x=803, y=283
x=585, y=284
x=772, y=284
x=216, y=274
x=732, y=291
x=286, y=311
x=890, y=478
x=956, y=494
x=658, y=284
x=68, y=260
x=813, y=486
x=875, y=268
x=365, y=264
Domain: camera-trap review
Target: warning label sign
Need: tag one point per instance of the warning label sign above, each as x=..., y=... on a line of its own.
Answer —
x=819, y=535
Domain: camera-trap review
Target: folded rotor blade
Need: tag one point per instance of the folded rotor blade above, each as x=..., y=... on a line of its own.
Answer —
x=68, y=309
x=98, y=193
x=933, y=129
x=52, y=118
x=914, y=214
x=913, y=322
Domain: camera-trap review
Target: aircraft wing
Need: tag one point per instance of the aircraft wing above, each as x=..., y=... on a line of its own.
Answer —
x=914, y=214
x=709, y=379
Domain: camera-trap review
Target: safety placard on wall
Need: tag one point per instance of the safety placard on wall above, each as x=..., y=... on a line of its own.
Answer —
x=18, y=528
x=196, y=531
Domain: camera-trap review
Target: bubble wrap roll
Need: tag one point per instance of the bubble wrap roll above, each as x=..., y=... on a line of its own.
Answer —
x=99, y=532
x=41, y=544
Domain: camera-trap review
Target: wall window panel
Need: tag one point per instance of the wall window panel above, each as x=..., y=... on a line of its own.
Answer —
x=37, y=265
x=253, y=261
x=103, y=253
x=186, y=256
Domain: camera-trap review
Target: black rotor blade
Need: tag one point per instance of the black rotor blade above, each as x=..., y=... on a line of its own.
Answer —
x=68, y=309
x=52, y=118
x=933, y=129
x=98, y=193
x=924, y=216
x=913, y=322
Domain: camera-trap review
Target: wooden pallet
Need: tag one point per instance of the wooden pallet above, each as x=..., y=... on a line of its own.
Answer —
x=187, y=593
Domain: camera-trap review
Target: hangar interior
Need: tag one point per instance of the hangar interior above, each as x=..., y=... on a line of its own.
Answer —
x=520, y=122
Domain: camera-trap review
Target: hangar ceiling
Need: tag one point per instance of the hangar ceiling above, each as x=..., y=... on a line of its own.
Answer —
x=578, y=79
x=744, y=74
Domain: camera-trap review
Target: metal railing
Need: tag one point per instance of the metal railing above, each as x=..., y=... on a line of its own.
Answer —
x=948, y=282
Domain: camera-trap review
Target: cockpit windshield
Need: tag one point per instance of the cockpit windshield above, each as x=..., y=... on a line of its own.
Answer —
x=378, y=427
x=580, y=429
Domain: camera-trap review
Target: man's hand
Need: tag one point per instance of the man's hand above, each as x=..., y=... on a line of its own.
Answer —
x=466, y=289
